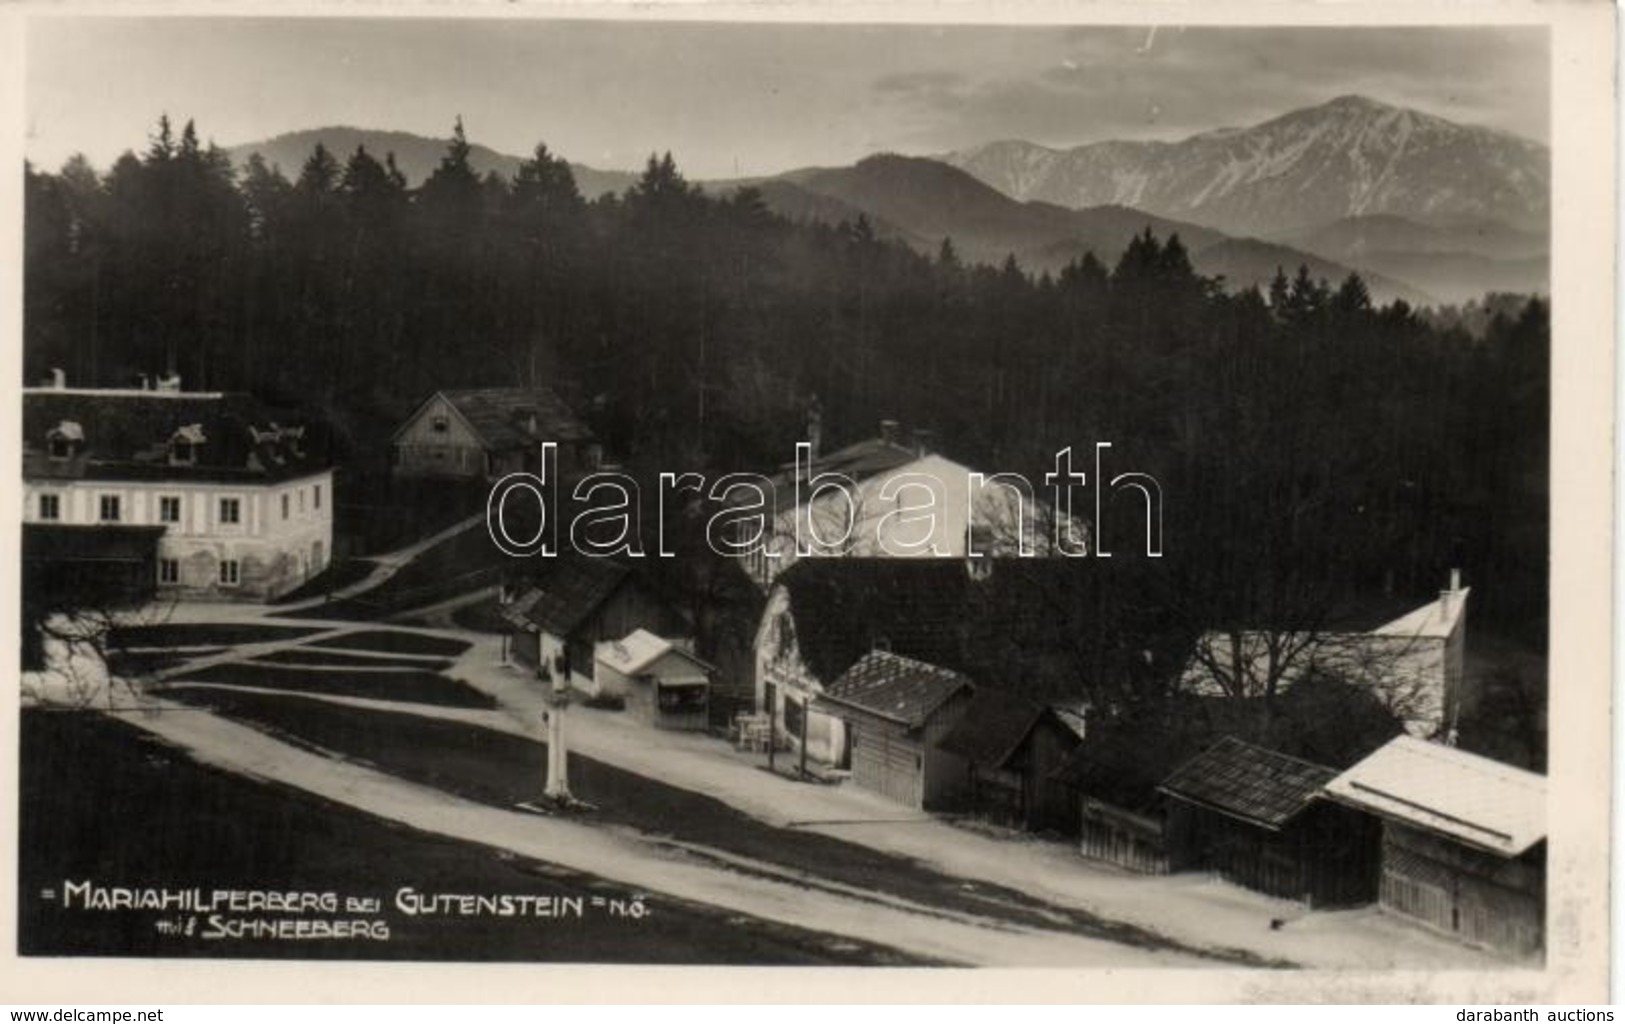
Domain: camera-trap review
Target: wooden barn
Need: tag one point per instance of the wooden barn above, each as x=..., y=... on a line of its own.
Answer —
x=1122, y=817
x=572, y=602
x=896, y=711
x=1013, y=749
x=1258, y=819
x=1463, y=841
x=663, y=684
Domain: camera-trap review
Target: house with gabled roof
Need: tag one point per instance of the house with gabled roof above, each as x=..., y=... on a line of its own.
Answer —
x=214, y=494
x=663, y=683
x=571, y=602
x=876, y=478
x=1013, y=621
x=1410, y=655
x=1463, y=841
x=823, y=615
x=1258, y=818
x=896, y=711
x=487, y=433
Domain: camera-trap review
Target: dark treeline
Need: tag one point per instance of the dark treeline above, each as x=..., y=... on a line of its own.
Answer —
x=1305, y=438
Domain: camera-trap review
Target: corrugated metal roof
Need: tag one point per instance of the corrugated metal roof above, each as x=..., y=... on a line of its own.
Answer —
x=1256, y=785
x=895, y=687
x=1475, y=800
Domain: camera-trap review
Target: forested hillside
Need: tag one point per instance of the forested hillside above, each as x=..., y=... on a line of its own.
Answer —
x=1304, y=438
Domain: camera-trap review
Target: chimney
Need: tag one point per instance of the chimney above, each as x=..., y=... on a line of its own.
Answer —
x=59, y=378
x=888, y=431
x=169, y=383
x=815, y=426
x=924, y=442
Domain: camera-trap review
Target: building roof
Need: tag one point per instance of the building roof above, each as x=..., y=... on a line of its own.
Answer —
x=891, y=686
x=55, y=542
x=502, y=416
x=127, y=434
x=994, y=726
x=1356, y=635
x=846, y=607
x=639, y=649
x=1018, y=622
x=1471, y=799
x=566, y=590
x=1255, y=785
x=859, y=461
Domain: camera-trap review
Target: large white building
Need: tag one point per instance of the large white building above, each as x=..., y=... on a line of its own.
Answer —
x=863, y=501
x=243, y=496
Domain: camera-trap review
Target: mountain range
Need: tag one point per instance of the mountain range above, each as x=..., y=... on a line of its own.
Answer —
x=1349, y=157
x=1424, y=209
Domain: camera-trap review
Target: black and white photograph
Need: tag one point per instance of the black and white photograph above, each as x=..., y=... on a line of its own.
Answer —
x=644, y=489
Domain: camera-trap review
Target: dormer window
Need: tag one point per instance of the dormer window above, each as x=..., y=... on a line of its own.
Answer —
x=64, y=439
x=440, y=424
x=184, y=443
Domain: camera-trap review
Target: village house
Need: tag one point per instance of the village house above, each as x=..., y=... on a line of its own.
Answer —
x=896, y=711
x=866, y=516
x=824, y=614
x=486, y=433
x=1257, y=818
x=1412, y=661
x=1013, y=748
x=210, y=493
x=663, y=684
x=572, y=602
x=1014, y=620
x=1463, y=841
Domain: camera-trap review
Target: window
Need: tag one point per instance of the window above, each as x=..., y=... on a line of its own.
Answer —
x=284, y=506
x=229, y=572
x=317, y=495
x=439, y=424
x=61, y=449
x=110, y=508
x=301, y=501
x=182, y=453
x=169, y=509
x=231, y=510
x=169, y=570
x=50, y=506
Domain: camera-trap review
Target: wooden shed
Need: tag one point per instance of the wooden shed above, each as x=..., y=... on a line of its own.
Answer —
x=896, y=711
x=1122, y=818
x=663, y=685
x=1463, y=841
x=1257, y=818
x=1013, y=748
x=573, y=601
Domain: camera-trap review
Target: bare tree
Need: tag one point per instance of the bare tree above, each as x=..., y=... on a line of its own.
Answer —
x=85, y=662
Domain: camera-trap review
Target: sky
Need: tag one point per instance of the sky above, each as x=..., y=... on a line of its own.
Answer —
x=739, y=99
